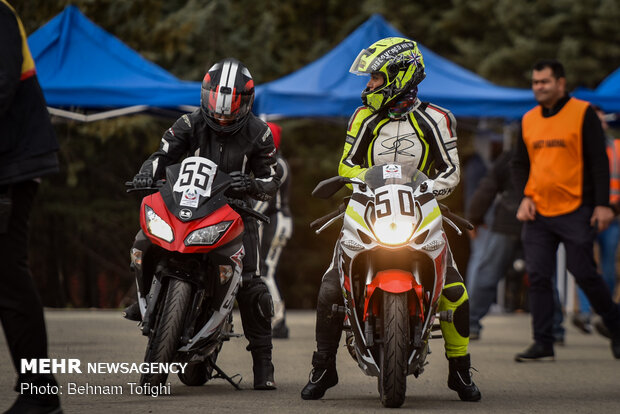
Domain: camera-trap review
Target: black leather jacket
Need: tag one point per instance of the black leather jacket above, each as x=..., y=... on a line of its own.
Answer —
x=28, y=144
x=249, y=150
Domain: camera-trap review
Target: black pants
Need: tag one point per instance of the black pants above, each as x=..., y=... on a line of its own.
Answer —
x=253, y=297
x=328, y=325
x=541, y=238
x=21, y=311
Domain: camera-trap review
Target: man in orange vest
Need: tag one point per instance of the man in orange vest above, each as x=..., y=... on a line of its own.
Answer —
x=28, y=149
x=561, y=165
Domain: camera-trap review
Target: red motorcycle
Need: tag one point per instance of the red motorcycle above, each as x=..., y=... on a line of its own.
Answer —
x=187, y=260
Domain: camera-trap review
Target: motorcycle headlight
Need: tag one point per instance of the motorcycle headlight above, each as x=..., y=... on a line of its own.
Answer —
x=207, y=235
x=393, y=233
x=157, y=226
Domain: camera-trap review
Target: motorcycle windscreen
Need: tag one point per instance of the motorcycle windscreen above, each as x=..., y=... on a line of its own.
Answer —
x=194, y=188
x=384, y=174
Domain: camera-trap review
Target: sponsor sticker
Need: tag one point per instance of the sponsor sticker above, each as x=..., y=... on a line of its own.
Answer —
x=392, y=171
x=189, y=198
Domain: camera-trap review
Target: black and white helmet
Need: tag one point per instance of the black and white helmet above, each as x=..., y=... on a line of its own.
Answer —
x=227, y=95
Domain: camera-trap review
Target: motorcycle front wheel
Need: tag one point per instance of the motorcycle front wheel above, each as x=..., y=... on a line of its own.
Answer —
x=393, y=358
x=199, y=373
x=195, y=375
x=164, y=338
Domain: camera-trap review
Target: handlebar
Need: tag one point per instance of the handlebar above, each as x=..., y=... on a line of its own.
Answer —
x=236, y=203
x=318, y=223
x=157, y=185
x=459, y=221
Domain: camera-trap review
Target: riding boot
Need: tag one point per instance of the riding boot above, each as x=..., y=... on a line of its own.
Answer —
x=32, y=402
x=263, y=370
x=322, y=377
x=460, y=379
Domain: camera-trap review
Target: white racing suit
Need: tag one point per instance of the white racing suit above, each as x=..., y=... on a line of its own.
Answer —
x=274, y=236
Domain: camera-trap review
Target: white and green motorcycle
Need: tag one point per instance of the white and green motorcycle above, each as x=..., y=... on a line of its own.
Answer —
x=392, y=256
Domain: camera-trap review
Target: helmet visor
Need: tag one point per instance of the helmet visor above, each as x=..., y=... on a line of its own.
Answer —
x=362, y=64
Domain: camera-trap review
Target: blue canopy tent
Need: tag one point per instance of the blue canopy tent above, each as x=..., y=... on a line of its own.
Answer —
x=606, y=95
x=326, y=88
x=81, y=65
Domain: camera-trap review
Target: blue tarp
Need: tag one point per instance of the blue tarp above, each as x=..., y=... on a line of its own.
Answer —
x=606, y=95
x=80, y=64
x=326, y=88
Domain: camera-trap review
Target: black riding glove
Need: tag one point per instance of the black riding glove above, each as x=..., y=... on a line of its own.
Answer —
x=142, y=180
x=242, y=183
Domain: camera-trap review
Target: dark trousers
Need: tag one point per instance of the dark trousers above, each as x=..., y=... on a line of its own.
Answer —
x=541, y=238
x=21, y=311
x=328, y=329
x=251, y=297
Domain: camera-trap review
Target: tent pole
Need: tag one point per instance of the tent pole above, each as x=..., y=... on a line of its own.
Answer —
x=98, y=116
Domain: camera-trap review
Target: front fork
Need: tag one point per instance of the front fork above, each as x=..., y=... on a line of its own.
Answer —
x=148, y=317
x=371, y=323
x=137, y=255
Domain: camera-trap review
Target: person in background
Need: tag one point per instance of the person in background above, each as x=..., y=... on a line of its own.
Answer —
x=496, y=193
x=474, y=169
x=607, y=239
x=28, y=149
x=503, y=237
x=275, y=234
x=561, y=168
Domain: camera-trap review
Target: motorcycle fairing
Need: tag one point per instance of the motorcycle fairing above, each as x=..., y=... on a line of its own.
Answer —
x=182, y=229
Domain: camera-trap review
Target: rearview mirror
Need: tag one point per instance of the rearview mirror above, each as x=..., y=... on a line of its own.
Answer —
x=329, y=187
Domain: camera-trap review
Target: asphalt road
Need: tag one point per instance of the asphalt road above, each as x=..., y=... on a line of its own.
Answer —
x=583, y=379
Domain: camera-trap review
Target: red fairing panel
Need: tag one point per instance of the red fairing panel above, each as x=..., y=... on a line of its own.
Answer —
x=182, y=229
x=394, y=281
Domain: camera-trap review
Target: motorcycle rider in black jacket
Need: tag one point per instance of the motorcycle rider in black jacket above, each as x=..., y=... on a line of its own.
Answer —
x=225, y=131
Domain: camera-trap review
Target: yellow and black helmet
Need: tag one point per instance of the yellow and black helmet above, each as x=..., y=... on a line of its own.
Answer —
x=400, y=63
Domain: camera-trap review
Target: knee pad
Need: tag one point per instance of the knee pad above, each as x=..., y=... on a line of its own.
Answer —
x=265, y=305
x=454, y=292
x=456, y=333
x=256, y=293
x=330, y=289
x=329, y=294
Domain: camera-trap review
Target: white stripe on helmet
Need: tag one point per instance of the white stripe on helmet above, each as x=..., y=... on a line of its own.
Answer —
x=227, y=79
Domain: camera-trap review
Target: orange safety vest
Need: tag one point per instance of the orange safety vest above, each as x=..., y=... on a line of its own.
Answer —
x=28, y=68
x=613, y=153
x=555, y=149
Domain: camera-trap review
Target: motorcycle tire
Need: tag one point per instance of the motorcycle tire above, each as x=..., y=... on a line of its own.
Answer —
x=198, y=374
x=164, y=339
x=195, y=375
x=393, y=351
